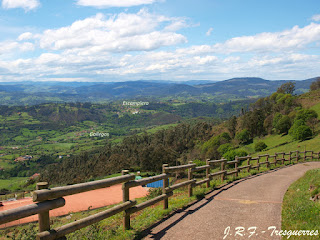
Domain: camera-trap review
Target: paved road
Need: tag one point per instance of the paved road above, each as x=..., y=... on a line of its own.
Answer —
x=254, y=202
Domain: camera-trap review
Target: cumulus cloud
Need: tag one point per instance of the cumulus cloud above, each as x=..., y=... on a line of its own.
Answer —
x=293, y=39
x=129, y=46
x=119, y=33
x=316, y=17
x=9, y=46
x=113, y=3
x=27, y=5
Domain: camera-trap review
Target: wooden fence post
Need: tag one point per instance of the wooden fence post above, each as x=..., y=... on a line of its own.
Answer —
x=283, y=158
x=236, y=165
x=248, y=163
x=311, y=155
x=208, y=173
x=125, y=198
x=258, y=163
x=267, y=161
x=44, y=218
x=290, y=157
x=318, y=156
x=223, y=176
x=297, y=156
x=190, y=178
x=165, y=185
x=275, y=159
x=304, y=157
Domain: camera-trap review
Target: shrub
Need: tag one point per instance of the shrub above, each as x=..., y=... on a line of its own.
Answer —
x=232, y=154
x=259, y=146
x=241, y=153
x=306, y=114
x=199, y=162
x=301, y=132
x=224, y=148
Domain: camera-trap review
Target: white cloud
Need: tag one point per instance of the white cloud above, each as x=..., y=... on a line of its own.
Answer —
x=208, y=33
x=288, y=40
x=129, y=46
x=27, y=5
x=25, y=36
x=113, y=3
x=10, y=46
x=118, y=33
x=316, y=17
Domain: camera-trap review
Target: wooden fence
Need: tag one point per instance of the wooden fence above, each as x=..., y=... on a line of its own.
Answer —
x=48, y=199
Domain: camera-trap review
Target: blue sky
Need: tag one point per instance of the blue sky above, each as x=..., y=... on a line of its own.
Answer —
x=118, y=40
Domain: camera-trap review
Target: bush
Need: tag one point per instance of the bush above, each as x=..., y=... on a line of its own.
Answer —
x=301, y=132
x=306, y=114
x=232, y=154
x=259, y=146
x=199, y=162
x=224, y=148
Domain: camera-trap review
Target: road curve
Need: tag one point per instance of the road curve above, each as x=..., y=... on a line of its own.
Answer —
x=253, y=204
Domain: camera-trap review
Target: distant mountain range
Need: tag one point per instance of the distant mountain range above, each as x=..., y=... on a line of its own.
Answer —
x=21, y=93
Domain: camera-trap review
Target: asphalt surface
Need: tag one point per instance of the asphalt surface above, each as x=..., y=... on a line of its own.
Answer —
x=247, y=209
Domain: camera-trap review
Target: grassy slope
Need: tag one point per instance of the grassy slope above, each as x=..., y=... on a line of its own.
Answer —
x=285, y=143
x=298, y=212
x=13, y=182
x=278, y=143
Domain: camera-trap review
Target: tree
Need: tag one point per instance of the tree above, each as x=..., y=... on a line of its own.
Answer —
x=232, y=125
x=306, y=114
x=315, y=85
x=287, y=88
x=281, y=123
x=243, y=136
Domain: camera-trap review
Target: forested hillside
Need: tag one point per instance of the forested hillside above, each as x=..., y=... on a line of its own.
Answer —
x=146, y=152
x=281, y=113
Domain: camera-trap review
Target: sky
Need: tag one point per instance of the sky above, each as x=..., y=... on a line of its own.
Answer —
x=121, y=40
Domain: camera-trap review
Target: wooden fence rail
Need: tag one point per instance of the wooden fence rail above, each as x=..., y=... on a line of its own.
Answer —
x=48, y=199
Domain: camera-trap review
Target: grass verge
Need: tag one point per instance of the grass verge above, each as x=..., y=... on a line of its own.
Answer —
x=298, y=211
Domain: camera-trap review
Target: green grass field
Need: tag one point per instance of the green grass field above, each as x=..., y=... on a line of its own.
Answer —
x=13, y=183
x=298, y=211
x=317, y=109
